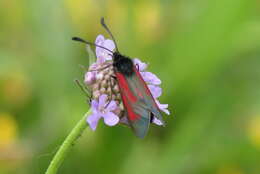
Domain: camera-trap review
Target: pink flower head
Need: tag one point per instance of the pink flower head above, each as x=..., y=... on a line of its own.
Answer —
x=102, y=54
x=102, y=109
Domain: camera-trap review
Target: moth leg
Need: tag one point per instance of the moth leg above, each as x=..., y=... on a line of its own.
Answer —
x=114, y=77
x=83, y=67
x=101, y=68
x=110, y=93
x=85, y=90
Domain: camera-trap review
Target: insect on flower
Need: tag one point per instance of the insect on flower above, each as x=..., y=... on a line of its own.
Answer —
x=122, y=91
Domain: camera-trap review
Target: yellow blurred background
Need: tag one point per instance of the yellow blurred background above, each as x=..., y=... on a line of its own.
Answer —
x=207, y=54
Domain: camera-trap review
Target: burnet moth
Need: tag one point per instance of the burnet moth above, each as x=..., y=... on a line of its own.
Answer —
x=138, y=101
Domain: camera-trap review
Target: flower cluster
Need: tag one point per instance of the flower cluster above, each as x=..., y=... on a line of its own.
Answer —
x=106, y=99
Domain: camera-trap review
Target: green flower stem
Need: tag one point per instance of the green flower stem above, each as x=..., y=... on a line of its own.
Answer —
x=67, y=145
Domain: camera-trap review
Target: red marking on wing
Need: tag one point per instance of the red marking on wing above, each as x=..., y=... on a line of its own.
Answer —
x=127, y=96
x=124, y=85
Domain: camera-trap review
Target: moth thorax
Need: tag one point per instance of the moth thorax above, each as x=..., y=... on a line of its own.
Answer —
x=125, y=66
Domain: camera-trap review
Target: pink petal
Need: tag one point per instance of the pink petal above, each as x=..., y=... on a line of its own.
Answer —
x=150, y=78
x=110, y=119
x=93, y=121
x=102, y=54
x=102, y=100
x=111, y=106
x=157, y=121
x=94, y=106
x=155, y=90
x=100, y=39
x=109, y=44
x=99, y=51
x=142, y=66
x=90, y=78
x=163, y=107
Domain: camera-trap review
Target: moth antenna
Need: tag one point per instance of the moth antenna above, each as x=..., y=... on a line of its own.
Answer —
x=90, y=43
x=109, y=32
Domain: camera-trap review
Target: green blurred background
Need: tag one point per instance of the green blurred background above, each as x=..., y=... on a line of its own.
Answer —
x=206, y=52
